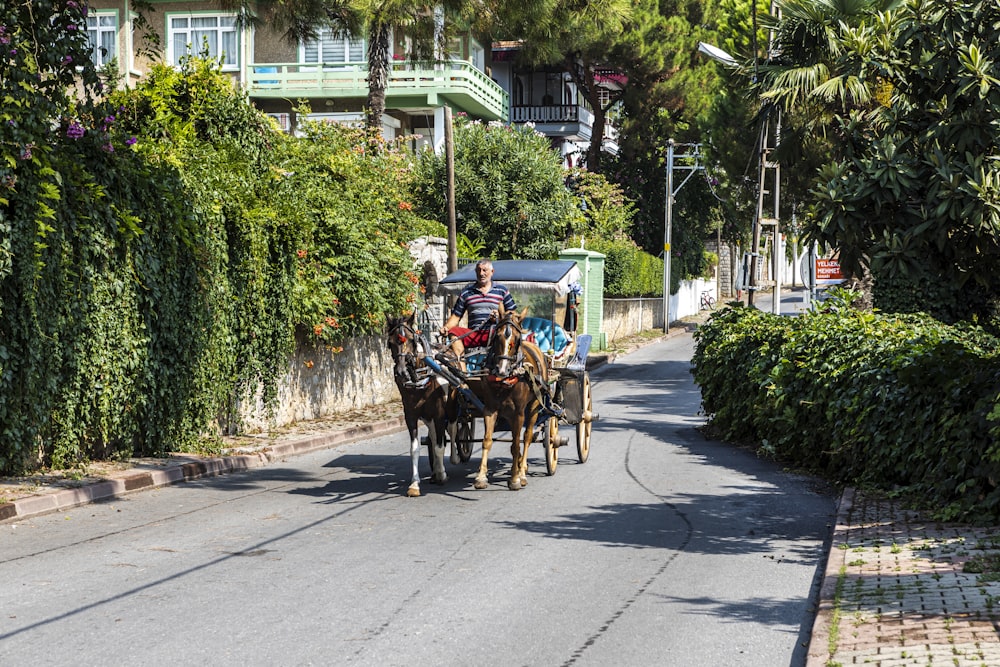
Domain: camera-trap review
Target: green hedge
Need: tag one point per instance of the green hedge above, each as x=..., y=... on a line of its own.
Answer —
x=629, y=271
x=898, y=402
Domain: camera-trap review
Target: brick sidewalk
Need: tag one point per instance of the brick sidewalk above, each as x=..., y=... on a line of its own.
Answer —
x=895, y=591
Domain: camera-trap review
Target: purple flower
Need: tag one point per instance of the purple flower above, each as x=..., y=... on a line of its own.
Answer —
x=130, y=141
x=67, y=60
x=75, y=130
x=108, y=148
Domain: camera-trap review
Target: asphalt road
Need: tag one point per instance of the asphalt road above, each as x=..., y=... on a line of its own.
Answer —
x=663, y=549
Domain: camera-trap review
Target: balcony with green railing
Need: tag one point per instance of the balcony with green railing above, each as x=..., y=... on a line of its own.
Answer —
x=412, y=85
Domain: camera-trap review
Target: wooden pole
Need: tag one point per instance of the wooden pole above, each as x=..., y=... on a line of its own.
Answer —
x=449, y=158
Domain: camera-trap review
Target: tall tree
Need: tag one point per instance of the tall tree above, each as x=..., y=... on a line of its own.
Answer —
x=916, y=197
x=582, y=39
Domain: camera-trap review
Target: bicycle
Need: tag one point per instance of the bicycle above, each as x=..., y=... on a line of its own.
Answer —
x=707, y=300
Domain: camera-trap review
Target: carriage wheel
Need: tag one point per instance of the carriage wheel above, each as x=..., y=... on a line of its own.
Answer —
x=551, y=441
x=583, y=428
x=465, y=437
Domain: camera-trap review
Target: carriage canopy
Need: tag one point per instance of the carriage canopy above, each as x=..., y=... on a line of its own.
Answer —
x=524, y=275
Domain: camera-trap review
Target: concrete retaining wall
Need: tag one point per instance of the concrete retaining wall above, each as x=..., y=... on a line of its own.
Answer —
x=319, y=383
x=627, y=317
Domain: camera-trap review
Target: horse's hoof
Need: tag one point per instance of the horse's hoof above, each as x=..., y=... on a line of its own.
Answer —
x=524, y=481
x=514, y=485
x=413, y=492
x=440, y=480
x=480, y=484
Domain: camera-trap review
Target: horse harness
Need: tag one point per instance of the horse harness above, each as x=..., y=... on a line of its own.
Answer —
x=417, y=374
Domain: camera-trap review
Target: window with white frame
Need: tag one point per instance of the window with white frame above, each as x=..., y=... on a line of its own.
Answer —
x=193, y=34
x=333, y=47
x=102, y=33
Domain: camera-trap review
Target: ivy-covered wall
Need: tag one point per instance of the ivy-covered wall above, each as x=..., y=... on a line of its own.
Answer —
x=162, y=252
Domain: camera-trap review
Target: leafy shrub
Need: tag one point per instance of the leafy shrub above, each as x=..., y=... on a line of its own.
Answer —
x=162, y=252
x=352, y=214
x=899, y=401
x=604, y=210
x=510, y=193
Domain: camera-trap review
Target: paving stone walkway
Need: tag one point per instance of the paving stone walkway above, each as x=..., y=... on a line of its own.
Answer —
x=900, y=589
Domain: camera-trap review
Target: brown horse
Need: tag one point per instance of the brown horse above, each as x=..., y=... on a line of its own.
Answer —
x=515, y=378
x=426, y=397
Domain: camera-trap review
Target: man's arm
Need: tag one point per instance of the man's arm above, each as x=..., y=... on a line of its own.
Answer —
x=508, y=302
x=456, y=314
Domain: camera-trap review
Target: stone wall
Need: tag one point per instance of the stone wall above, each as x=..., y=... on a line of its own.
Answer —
x=627, y=317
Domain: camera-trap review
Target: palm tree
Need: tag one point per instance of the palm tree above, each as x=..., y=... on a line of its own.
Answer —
x=820, y=52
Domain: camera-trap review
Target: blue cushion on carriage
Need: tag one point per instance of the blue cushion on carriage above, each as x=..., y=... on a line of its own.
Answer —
x=474, y=362
x=542, y=329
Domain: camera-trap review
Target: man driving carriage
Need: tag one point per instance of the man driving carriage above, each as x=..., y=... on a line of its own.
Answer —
x=484, y=301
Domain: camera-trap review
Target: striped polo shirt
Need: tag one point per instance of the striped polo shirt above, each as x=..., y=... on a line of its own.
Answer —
x=479, y=305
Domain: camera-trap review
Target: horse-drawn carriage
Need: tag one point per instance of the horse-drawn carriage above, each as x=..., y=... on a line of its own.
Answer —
x=531, y=376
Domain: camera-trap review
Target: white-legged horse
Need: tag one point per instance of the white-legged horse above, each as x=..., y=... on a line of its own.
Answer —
x=426, y=398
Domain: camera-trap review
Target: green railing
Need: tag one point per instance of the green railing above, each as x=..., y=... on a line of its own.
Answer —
x=458, y=82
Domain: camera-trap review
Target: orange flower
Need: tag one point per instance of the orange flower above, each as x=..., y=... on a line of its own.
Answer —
x=318, y=329
x=405, y=206
x=302, y=253
x=309, y=364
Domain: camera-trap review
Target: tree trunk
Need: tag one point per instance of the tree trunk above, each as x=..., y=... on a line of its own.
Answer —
x=378, y=76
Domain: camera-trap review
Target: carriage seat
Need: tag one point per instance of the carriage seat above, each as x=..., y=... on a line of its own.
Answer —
x=545, y=338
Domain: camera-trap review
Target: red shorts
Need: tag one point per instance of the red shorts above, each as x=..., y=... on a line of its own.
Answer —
x=478, y=338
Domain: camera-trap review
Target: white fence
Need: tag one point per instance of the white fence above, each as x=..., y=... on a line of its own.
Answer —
x=627, y=317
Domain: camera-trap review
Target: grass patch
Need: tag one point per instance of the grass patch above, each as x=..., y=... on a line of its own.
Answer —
x=983, y=564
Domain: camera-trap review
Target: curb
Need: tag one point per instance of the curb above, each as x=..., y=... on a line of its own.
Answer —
x=819, y=654
x=187, y=468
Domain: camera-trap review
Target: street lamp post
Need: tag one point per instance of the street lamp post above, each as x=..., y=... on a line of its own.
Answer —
x=691, y=162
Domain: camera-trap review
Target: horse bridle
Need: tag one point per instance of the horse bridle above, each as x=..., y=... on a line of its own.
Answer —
x=405, y=356
x=513, y=352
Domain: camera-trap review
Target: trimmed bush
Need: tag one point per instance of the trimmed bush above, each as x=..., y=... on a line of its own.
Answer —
x=629, y=271
x=896, y=402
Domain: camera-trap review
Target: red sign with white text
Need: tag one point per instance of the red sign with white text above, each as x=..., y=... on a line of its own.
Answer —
x=828, y=271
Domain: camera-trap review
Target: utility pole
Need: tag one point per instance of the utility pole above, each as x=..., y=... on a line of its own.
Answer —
x=769, y=185
x=690, y=162
x=770, y=172
x=449, y=160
